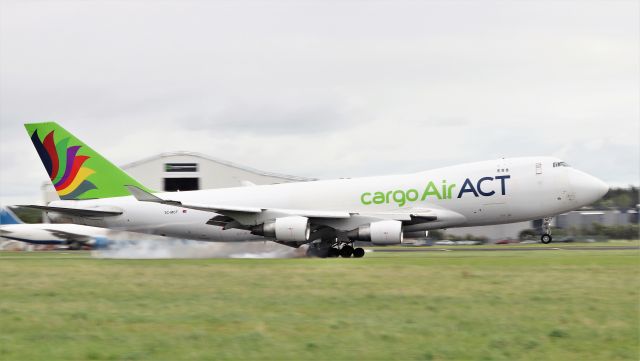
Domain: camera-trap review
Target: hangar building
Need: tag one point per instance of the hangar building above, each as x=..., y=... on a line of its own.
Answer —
x=191, y=171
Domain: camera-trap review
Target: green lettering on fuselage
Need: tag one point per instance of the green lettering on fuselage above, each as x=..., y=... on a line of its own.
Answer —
x=378, y=198
x=401, y=197
x=412, y=195
x=430, y=190
x=443, y=190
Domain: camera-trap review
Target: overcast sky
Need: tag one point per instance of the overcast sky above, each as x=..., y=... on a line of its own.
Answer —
x=324, y=89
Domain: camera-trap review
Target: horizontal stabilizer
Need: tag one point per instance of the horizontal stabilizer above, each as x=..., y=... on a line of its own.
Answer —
x=78, y=212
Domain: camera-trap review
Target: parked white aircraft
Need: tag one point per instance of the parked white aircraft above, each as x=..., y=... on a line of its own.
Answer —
x=73, y=236
x=329, y=215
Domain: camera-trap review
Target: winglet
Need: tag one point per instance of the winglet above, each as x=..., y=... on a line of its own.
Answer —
x=144, y=196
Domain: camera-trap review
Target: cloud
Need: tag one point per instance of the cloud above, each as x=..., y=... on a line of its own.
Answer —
x=324, y=89
x=291, y=117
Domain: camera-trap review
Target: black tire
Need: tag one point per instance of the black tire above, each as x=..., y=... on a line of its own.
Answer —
x=333, y=252
x=546, y=238
x=346, y=251
x=358, y=252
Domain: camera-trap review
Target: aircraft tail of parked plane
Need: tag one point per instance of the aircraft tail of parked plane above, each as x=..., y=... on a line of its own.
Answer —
x=77, y=171
x=8, y=217
x=72, y=236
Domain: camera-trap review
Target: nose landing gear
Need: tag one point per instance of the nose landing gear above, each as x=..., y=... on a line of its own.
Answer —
x=546, y=229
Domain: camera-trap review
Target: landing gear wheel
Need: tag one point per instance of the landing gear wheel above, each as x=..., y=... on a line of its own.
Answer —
x=346, y=251
x=358, y=253
x=546, y=230
x=333, y=252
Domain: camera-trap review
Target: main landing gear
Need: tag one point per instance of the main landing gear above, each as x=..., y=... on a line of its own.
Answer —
x=334, y=247
x=546, y=229
x=345, y=251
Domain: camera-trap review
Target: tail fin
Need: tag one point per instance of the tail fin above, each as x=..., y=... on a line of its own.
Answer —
x=77, y=171
x=8, y=217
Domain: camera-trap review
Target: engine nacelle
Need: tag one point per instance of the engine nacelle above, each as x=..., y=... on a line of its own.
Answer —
x=288, y=229
x=381, y=232
x=100, y=243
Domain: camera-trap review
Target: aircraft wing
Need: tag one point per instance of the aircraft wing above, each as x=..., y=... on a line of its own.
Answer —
x=144, y=196
x=223, y=209
x=241, y=217
x=69, y=236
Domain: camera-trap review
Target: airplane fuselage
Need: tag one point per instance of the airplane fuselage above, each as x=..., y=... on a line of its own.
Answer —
x=474, y=194
x=46, y=233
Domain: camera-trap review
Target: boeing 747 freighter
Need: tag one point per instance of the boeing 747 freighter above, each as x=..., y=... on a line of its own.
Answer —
x=329, y=215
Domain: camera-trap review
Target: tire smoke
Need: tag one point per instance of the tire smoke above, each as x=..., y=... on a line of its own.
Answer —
x=163, y=248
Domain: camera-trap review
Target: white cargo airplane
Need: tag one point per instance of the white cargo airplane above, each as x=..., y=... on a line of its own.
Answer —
x=328, y=215
x=72, y=236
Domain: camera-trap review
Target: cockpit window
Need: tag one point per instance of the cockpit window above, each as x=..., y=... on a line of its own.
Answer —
x=560, y=164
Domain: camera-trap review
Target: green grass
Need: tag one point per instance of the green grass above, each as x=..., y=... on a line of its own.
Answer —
x=560, y=305
x=611, y=243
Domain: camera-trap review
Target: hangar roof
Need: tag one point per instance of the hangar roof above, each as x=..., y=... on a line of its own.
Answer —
x=216, y=160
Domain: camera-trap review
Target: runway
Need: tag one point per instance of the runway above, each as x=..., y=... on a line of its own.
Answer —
x=507, y=249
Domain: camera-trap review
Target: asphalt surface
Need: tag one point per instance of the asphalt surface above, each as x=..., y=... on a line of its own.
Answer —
x=507, y=249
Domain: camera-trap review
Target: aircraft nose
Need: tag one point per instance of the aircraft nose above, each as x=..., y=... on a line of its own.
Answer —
x=588, y=188
x=600, y=187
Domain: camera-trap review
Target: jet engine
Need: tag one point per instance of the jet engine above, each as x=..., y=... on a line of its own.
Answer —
x=381, y=232
x=100, y=243
x=288, y=229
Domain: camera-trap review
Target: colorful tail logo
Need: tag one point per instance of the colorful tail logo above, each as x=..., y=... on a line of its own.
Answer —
x=64, y=165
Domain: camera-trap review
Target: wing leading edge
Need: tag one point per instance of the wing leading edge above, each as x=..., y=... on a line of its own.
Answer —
x=231, y=216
